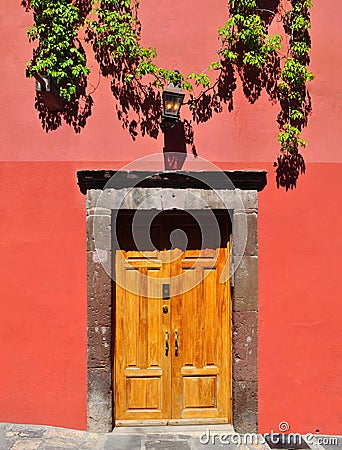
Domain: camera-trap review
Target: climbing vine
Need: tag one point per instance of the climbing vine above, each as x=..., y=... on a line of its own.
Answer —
x=247, y=51
x=60, y=54
x=294, y=96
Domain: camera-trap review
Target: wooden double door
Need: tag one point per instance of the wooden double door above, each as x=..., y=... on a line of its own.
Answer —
x=172, y=336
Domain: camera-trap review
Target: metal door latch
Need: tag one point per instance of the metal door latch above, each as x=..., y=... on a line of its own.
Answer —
x=166, y=291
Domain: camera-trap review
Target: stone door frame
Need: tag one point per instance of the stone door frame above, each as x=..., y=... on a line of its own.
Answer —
x=100, y=332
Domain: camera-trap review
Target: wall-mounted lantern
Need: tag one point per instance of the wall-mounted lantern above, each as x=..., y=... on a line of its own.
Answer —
x=48, y=92
x=172, y=101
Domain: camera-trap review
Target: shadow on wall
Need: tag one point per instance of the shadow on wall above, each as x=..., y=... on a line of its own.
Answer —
x=138, y=104
x=75, y=112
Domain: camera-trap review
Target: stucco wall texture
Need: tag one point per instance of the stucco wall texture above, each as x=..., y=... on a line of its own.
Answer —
x=42, y=227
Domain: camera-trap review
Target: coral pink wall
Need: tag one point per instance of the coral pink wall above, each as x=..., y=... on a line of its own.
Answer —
x=300, y=308
x=247, y=134
x=42, y=232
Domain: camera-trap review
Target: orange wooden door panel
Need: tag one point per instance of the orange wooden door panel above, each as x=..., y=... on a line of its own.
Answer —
x=201, y=315
x=142, y=369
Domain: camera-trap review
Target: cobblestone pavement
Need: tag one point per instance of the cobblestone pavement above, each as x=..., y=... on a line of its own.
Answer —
x=36, y=437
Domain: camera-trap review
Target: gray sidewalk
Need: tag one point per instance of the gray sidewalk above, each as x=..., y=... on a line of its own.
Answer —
x=36, y=437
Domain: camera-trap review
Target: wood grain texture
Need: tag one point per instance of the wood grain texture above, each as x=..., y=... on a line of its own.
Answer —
x=142, y=371
x=192, y=385
x=201, y=375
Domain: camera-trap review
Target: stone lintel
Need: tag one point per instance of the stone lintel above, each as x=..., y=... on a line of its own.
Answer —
x=162, y=199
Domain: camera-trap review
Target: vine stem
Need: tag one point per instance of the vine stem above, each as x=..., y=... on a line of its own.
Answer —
x=209, y=88
x=97, y=85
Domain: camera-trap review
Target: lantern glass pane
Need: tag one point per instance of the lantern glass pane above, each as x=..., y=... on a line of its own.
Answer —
x=172, y=105
x=172, y=102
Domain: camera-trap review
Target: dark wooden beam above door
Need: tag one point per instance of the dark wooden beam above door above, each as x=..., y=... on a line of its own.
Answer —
x=240, y=179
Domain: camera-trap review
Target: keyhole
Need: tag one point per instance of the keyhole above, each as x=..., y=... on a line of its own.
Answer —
x=165, y=309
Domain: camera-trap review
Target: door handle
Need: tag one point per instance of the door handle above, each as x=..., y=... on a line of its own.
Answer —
x=166, y=343
x=176, y=342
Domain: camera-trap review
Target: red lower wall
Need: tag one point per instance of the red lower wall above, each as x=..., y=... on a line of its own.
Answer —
x=43, y=298
x=300, y=303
